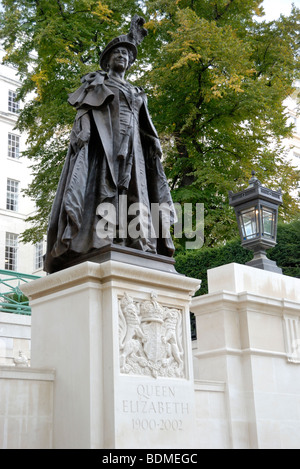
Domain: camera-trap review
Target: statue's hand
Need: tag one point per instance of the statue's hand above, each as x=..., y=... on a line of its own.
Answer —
x=83, y=138
x=156, y=151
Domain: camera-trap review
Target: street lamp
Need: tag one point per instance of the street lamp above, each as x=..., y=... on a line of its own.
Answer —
x=256, y=210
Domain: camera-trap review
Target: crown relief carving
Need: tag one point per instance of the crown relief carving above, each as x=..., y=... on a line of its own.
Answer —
x=150, y=338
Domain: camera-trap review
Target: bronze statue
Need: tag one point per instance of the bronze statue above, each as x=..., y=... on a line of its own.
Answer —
x=113, y=161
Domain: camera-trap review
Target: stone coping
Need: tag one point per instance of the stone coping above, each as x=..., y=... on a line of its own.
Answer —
x=210, y=386
x=26, y=373
x=239, y=352
x=15, y=319
x=106, y=272
x=273, y=306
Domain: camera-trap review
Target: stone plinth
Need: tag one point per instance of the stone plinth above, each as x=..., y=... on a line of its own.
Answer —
x=118, y=336
x=248, y=337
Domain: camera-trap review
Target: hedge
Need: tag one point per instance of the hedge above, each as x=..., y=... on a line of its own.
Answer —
x=195, y=263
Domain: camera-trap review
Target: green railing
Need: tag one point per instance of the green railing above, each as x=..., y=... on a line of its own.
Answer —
x=12, y=299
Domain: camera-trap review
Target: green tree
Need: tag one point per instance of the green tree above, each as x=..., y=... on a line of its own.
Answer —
x=287, y=251
x=217, y=89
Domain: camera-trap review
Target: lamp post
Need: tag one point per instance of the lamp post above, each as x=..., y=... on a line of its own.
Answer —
x=256, y=210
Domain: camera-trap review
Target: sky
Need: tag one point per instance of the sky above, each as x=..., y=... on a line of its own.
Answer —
x=273, y=8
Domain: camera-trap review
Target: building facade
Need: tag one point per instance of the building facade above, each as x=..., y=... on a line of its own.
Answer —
x=293, y=144
x=15, y=175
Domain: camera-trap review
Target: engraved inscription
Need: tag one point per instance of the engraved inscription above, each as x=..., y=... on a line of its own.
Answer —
x=152, y=424
x=150, y=338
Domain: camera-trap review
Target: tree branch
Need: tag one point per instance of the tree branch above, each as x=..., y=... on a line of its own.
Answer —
x=219, y=15
x=60, y=8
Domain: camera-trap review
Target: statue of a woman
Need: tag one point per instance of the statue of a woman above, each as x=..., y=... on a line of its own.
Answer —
x=112, y=181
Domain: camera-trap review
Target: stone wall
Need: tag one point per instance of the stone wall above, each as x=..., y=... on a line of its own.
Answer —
x=248, y=337
x=15, y=337
x=26, y=408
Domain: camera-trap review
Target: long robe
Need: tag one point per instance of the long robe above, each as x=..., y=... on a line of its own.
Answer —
x=114, y=151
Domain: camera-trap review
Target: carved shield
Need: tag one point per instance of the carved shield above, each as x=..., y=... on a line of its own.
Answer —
x=153, y=346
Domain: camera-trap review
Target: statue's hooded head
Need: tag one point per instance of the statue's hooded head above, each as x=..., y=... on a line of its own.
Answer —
x=130, y=41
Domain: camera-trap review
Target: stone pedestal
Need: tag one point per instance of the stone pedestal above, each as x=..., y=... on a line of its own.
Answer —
x=118, y=336
x=248, y=337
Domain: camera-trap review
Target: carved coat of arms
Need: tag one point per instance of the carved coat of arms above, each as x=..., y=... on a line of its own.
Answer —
x=150, y=338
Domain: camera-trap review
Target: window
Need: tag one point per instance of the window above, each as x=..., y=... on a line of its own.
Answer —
x=11, y=249
x=292, y=120
x=38, y=258
x=12, y=195
x=13, y=145
x=13, y=104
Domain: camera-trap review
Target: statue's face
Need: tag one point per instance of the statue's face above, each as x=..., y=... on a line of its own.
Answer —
x=119, y=59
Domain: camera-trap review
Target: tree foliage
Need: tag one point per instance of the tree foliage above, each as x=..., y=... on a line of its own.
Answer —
x=218, y=87
x=216, y=79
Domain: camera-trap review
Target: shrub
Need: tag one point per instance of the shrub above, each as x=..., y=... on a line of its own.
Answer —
x=196, y=263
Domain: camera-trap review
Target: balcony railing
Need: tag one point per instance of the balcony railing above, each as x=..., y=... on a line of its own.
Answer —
x=12, y=299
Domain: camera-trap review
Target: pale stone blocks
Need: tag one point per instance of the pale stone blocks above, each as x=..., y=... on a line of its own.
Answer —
x=247, y=336
x=15, y=336
x=26, y=408
x=118, y=337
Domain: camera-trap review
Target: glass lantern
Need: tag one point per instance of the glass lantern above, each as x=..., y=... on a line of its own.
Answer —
x=256, y=211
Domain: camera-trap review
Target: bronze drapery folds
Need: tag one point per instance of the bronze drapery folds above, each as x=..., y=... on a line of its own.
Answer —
x=113, y=175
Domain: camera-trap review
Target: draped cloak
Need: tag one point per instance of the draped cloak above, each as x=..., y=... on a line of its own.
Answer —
x=108, y=157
